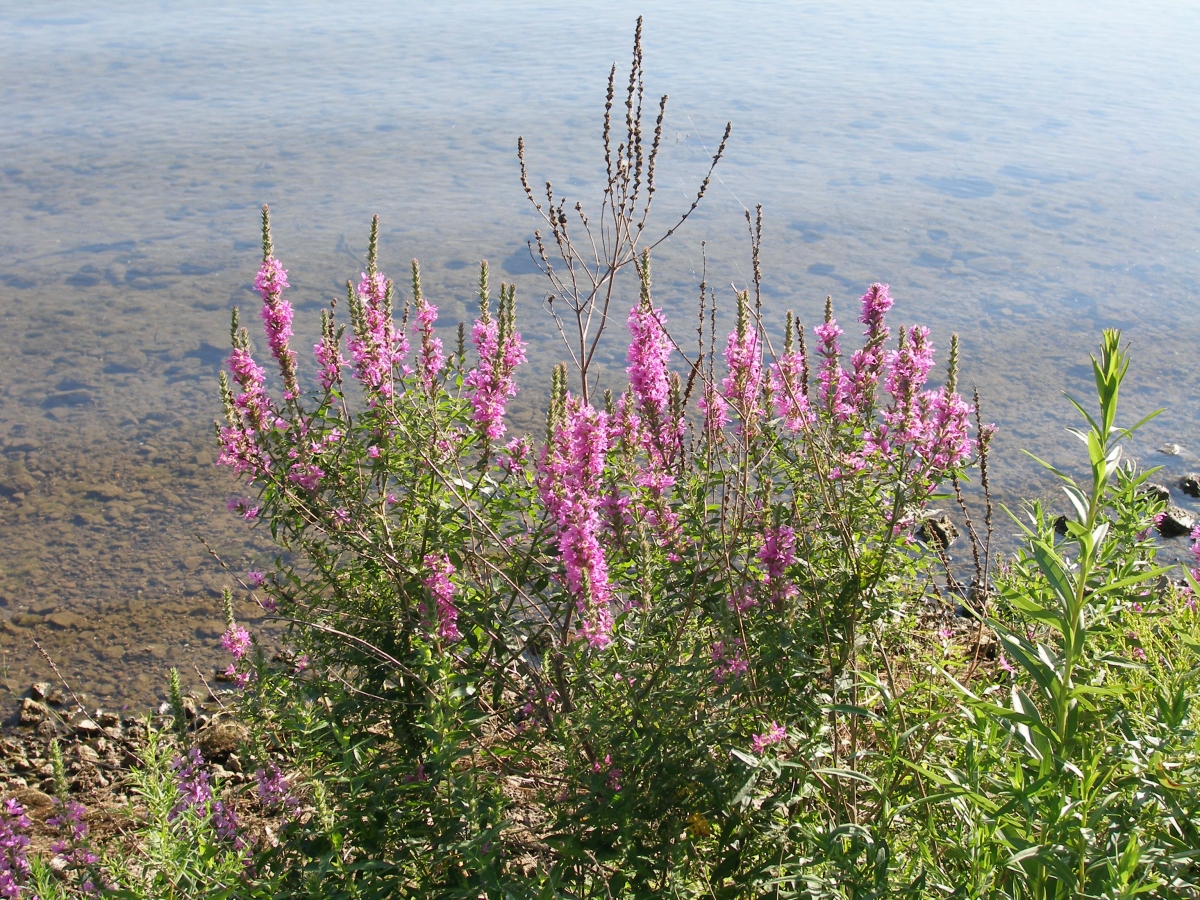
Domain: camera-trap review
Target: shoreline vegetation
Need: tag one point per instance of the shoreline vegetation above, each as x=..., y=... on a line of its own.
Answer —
x=700, y=637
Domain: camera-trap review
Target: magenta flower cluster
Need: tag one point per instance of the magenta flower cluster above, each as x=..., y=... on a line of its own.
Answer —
x=925, y=433
x=236, y=641
x=329, y=355
x=196, y=794
x=573, y=492
x=433, y=360
x=73, y=851
x=775, y=734
x=491, y=382
x=777, y=553
x=275, y=791
x=277, y=319
x=648, y=358
x=441, y=589
x=729, y=660
x=788, y=396
x=377, y=348
x=249, y=417
x=14, y=843
x=612, y=775
x=742, y=386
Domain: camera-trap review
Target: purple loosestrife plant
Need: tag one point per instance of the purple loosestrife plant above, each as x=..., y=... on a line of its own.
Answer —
x=441, y=589
x=789, y=383
x=572, y=491
x=274, y=791
x=717, y=545
x=14, y=843
x=432, y=360
x=625, y=569
x=693, y=621
x=500, y=348
x=195, y=790
x=76, y=857
x=742, y=386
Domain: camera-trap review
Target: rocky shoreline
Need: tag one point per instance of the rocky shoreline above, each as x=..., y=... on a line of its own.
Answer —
x=100, y=748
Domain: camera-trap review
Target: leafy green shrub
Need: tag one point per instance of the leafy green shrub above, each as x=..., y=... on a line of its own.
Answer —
x=682, y=582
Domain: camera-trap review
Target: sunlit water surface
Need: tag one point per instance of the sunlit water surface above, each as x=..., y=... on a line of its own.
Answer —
x=1025, y=175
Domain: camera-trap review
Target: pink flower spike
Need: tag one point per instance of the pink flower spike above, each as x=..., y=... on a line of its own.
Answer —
x=441, y=588
x=573, y=492
x=432, y=360
x=376, y=348
x=277, y=319
x=742, y=386
x=649, y=353
x=491, y=382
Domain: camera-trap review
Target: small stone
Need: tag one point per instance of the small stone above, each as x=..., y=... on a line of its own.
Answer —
x=86, y=754
x=1190, y=484
x=221, y=738
x=105, y=493
x=1171, y=449
x=108, y=719
x=937, y=530
x=56, y=697
x=1176, y=522
x=1157, y=491
x=21, y=764
x=213, y=628
x=39, y=689
x=68, y=620
x=189, y=707
x=87, y=727
x=32, y=712
x=46, y=729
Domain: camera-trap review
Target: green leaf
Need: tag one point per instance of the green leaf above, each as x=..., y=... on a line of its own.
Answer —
x=1055, y=570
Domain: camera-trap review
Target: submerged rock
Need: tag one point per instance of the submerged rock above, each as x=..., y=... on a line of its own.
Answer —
x=937, y=529
x=1190, y=484
x=32, y=712
x=1176, y=522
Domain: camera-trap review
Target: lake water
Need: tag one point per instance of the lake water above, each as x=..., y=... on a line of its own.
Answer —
x=1023, y=174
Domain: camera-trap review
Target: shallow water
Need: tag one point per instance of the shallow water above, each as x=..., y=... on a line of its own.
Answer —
x=1023, y=176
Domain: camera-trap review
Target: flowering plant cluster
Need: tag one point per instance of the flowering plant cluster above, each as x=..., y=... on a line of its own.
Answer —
x=661, y=548
x=704, y=637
